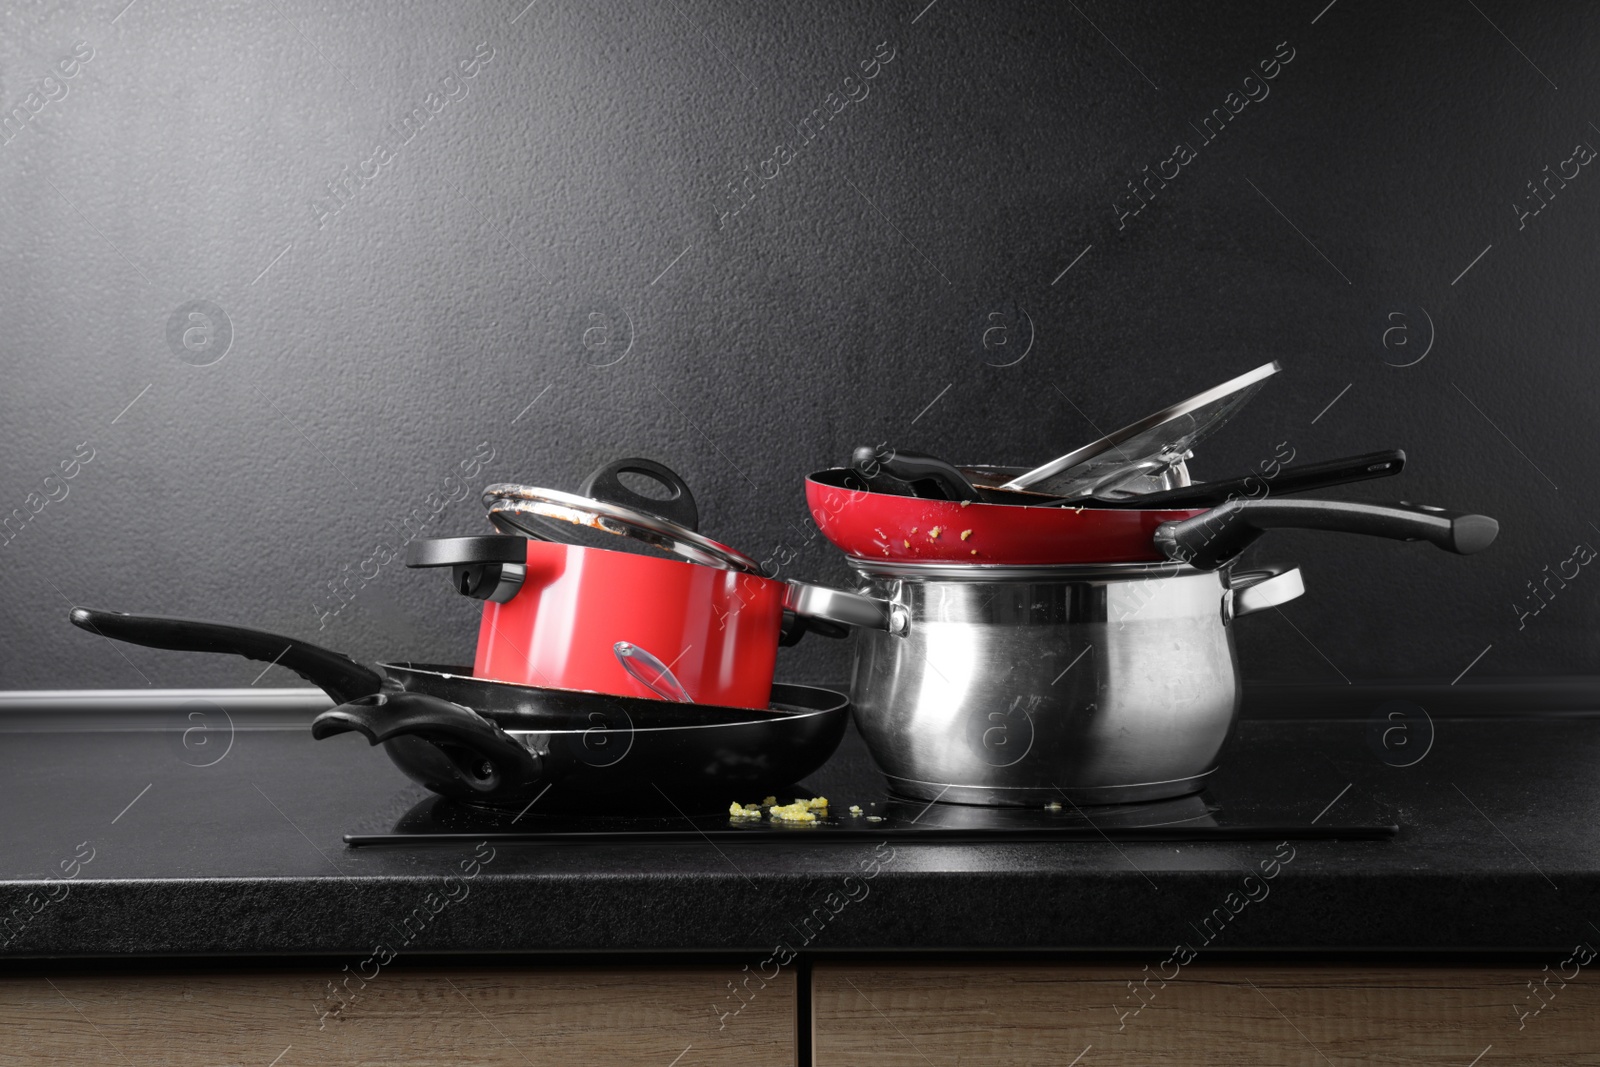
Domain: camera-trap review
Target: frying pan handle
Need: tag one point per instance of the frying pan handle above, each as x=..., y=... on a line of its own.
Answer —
x=927, y=475
x=1302, y=479
x=336, y=674
x=679, y=506
x=483, y=758
x=867, y=464
x=489, y=567
x=845, y=609
x=1207, y=541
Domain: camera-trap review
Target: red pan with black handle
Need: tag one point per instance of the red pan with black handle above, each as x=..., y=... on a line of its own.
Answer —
x=880, y=527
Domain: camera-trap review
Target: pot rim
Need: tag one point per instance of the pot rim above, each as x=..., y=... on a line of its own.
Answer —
x=655, y=554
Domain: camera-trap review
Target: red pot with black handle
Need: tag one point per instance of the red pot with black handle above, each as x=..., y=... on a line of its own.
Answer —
x=700, y=623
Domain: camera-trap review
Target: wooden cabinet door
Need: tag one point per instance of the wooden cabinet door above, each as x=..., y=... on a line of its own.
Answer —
x=1056, y=1015
x=514, y=1016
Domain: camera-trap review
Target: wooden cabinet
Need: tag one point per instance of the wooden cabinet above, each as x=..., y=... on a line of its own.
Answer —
x=516, y=1016
x=883, y=1014
x=1239, y=1014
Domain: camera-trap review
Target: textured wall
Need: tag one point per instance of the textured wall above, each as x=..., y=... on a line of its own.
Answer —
x=408, y=216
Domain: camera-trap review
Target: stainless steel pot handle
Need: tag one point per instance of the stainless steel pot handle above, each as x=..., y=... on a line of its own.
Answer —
x=847, y=609
x=1265, y=588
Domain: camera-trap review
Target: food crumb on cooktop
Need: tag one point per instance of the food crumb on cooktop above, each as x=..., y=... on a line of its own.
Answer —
x=855, y=809
x=1054, y=805
x=874, y=818
x=802, y=810
x=796, y=812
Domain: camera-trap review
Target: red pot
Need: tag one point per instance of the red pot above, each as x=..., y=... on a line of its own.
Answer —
x=906, y=529
x=701, y=625
x=716, y=630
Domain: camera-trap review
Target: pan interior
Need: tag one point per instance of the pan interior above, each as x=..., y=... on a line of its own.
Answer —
x=790, y=703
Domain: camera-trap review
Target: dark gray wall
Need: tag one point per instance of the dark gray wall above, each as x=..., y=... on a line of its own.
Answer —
x=584, y=169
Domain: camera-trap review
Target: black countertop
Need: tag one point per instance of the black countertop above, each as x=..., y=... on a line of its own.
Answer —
x=1499, y=851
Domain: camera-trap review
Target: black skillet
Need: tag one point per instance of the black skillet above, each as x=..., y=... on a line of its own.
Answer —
x=496, y=743
x=919, y=474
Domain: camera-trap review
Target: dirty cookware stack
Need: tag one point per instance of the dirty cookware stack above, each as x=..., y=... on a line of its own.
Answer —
x=1062, y=639
x=1021, y=636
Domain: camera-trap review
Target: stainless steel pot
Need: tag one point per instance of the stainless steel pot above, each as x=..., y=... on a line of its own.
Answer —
x=1097, y=683
x=1024, y=685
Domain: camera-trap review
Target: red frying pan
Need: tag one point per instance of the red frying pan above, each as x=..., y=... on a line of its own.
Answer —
x=909, y=529
x=881, y=526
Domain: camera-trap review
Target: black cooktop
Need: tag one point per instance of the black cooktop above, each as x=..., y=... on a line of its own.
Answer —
x=650, y=815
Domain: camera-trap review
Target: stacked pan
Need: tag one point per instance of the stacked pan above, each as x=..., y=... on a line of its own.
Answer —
x=1068, y=631
x=607, y=673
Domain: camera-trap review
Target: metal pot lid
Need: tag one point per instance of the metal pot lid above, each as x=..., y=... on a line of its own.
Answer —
x=513, y=508
x=1149, y=446
x=1128, y=484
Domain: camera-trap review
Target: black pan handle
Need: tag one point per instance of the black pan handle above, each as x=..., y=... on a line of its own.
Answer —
x=336, y=674
x=477, y=753
x=866, y=466
x=606, y=485
x=1305, y=478
x=486, y=567
x=928, y=476
x=1209, y=540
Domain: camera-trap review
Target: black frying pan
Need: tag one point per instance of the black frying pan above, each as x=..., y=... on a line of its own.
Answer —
x=497, y=743
x=919, y=474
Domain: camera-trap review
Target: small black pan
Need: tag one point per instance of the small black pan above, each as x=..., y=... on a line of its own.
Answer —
x=921, y=475
x=496, y=743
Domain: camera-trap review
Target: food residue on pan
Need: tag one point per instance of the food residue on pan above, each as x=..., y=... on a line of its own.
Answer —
x=1054, y=805
x=855, y=809
x=906, y=543
x=748, y=811
x=874, y=818
x=964, y=503
x=965, y=534
x=933, y=534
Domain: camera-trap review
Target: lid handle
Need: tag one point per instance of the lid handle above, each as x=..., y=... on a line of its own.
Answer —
x=678, y=506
